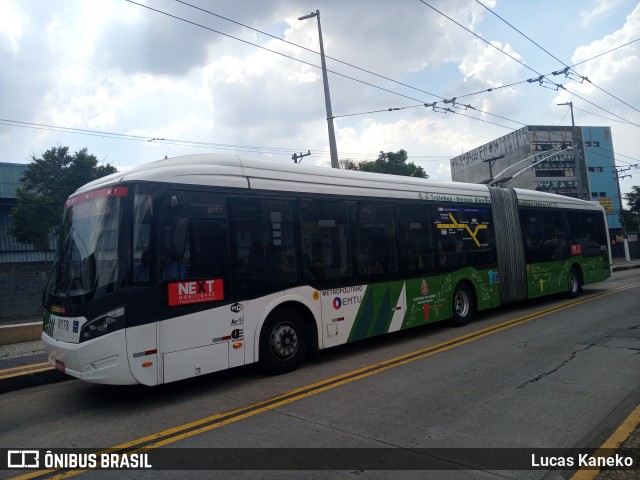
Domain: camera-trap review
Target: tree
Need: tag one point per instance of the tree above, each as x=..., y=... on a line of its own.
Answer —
x=633, y=200
x=48, y=181
x=389, y=162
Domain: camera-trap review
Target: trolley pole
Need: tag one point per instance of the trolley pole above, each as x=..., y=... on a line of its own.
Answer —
x=327, y=96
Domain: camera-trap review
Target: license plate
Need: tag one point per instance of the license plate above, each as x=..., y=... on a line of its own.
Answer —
x=66, y=329
x=60, y=366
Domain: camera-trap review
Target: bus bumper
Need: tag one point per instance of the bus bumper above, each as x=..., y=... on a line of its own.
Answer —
x=101, y=360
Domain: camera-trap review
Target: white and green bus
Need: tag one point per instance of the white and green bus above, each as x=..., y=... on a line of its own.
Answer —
x=200, y=263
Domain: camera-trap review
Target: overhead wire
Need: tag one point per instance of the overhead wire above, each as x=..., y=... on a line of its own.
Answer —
x=604, y=53
x=479, y=37
x=596, y=115
x=557, y=86
x=541, y=79
x=556, y=58
x=328, y=70
x=288, y=151
x=269, y=49
x=331, y=71
x=308, y=49
x=191, y=143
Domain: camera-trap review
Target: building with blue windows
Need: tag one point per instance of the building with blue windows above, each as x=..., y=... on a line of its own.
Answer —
x=554, y=159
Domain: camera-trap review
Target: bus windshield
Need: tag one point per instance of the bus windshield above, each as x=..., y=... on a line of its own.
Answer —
x=87, y=261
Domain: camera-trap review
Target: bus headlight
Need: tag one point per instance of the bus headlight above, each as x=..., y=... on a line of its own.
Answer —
x=107, y=323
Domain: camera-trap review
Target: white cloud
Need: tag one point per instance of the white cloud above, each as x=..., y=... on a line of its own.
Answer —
x=597, y=9
x=12, y=23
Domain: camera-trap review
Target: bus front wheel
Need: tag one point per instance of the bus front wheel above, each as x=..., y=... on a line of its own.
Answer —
x=283, y=342
x=464, y=305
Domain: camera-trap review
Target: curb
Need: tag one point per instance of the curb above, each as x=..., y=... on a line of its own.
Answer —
x=26, y=332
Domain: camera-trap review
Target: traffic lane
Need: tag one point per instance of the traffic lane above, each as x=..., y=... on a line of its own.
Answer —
x=110, y=415
x=524, y=387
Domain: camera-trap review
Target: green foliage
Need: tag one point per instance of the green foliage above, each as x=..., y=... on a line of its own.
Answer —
x=390, y=163
x=48, y=181
x=633, y=199
x=632, y=215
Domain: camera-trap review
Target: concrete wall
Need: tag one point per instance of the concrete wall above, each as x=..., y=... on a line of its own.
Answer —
x=21, y=287
x=470, y=167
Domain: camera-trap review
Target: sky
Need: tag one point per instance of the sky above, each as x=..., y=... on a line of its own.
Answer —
x=135, y=82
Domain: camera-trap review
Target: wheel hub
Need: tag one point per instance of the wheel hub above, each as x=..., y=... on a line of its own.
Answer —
x=284, y=341
x=462, y=304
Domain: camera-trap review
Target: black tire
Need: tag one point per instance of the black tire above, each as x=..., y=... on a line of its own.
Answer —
x=463, y=305
x=283, y=342
x=574, y=283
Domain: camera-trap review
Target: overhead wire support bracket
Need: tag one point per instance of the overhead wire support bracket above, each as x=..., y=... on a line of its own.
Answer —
x=299, y=156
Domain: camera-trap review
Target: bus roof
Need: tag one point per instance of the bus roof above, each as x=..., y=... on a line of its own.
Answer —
x=228, y=170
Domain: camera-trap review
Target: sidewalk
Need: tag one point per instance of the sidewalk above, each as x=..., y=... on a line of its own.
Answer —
x=619, y=263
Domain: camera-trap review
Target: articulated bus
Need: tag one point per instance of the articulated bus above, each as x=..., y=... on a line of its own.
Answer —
x=200, y=263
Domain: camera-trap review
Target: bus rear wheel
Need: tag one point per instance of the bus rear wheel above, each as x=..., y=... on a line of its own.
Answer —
x=283, y=342
x=575, y=283
x=464, y=305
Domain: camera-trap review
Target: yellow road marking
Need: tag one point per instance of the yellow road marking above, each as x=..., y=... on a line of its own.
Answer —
x=616, y=439
x=25, y=370
x=212, y=422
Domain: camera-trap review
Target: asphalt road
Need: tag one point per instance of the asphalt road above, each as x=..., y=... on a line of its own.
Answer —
x=552, y=373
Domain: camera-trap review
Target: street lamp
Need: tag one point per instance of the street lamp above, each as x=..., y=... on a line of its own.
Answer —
x=327, y=97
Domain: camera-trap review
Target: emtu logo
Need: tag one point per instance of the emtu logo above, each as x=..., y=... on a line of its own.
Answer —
x=337, y=303
x=23, y=459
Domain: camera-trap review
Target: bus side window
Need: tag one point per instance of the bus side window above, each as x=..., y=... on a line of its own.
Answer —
x=531, y=236
x=173, y=255
x=208, y=252
x=594, y=238
x=417, y=251
x=554, y=228
x=324, y=240
x=264, y=248
x=375, y=239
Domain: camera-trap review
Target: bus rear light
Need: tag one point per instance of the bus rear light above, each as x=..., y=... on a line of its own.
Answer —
x=237, y=345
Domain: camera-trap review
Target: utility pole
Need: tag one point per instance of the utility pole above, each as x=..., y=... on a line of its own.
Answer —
x=623, y=228
x=327, y=97
x=579, y=153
